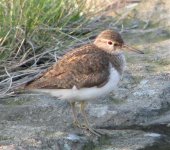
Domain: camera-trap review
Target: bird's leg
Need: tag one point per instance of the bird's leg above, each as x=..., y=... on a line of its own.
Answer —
x=87, y=126
x=75, y=122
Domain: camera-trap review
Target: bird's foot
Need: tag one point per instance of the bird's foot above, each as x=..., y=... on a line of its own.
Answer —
x=77, y=123
x=87, y=127
x=93, y=131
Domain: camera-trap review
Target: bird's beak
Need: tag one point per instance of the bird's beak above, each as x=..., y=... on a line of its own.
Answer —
x=127, y=47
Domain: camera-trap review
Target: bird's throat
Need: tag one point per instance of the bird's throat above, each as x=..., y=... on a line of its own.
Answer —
x=118, y=62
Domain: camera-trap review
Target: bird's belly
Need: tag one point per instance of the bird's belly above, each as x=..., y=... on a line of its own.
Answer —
x=86, y=94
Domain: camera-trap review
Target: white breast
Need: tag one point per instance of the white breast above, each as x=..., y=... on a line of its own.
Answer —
x=85, y=94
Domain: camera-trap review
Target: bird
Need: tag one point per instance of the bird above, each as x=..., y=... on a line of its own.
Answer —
x=86, y=73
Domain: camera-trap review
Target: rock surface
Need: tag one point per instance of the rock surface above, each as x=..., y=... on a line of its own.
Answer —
x=154, y=12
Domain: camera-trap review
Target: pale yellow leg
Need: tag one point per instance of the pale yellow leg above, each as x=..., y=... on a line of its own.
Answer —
x=75, y=122
x=87, y=126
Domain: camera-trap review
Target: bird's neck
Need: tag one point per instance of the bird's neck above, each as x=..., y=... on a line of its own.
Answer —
x=118, y=62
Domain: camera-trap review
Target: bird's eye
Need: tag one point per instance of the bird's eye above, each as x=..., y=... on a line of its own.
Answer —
x=110, y=42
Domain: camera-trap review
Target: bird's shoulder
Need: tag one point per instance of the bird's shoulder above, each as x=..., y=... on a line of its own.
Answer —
x=83, y=50
x=85, y=57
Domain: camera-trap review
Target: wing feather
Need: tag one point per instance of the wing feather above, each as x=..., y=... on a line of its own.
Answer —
x=86, y=67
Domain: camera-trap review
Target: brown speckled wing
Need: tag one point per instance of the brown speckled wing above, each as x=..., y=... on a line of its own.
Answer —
x=86, y=66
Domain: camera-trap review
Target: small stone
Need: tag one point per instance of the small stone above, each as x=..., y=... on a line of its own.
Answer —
x=73, y=137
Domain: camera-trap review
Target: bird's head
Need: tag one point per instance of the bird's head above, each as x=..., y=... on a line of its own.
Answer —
x=113, y=43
